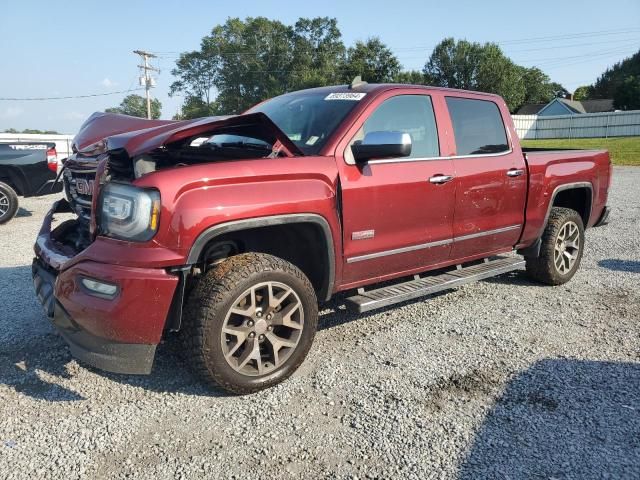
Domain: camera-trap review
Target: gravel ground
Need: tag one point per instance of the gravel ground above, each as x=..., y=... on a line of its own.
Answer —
x=499, y=379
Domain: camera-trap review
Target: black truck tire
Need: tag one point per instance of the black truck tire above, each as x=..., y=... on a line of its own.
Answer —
x=8, y=203
x=249, y=322
x=561, y=248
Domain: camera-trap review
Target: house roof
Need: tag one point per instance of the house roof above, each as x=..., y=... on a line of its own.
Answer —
x=596, y=106
x=573, y=106
x=530, y=108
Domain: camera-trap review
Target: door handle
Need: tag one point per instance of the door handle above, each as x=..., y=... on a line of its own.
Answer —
x=440, y=179
x=514, y=172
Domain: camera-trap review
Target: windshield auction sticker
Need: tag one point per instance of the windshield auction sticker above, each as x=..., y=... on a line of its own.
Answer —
x=345, y=96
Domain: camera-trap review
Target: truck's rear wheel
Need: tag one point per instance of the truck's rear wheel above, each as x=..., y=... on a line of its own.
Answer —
x=561, y=249
x=8, y=203
x=250, y=322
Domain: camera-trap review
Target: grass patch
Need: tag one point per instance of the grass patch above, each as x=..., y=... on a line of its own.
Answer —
x=623, y=150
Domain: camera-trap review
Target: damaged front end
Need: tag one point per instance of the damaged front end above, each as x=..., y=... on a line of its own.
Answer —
x=103, y=279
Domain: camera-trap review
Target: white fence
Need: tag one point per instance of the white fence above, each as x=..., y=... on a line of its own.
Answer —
x=63, y=142
x=611, y=124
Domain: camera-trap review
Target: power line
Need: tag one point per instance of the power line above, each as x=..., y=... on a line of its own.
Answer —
x=29, y=99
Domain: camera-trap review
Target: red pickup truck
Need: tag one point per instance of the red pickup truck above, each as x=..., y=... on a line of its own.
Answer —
x=231, y=229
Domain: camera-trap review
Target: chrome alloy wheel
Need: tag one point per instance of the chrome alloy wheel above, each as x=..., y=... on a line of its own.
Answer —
x=4, y=204
x=566, y=248
x=262, y=329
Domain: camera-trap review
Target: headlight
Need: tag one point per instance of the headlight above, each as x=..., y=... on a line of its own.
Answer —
x=128, y=212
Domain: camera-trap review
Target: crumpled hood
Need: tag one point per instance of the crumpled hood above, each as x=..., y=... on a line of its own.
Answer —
x=138, y=135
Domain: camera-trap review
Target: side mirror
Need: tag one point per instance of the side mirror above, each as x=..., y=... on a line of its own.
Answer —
x=382, y=145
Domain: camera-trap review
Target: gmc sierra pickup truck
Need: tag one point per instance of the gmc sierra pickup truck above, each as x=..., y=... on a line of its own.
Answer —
x=27, y=169
x=230, y=230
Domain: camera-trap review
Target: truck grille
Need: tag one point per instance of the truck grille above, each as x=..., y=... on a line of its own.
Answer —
x=78, y=184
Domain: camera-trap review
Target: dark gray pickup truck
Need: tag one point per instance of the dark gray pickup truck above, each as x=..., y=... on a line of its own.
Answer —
x=27, y=169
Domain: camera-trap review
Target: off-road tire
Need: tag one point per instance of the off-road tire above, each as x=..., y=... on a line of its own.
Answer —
x=9, y=203
x=209, y=303
x=542, y=268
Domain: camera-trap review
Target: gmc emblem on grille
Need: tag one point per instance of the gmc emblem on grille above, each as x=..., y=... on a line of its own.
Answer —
x=84, y=187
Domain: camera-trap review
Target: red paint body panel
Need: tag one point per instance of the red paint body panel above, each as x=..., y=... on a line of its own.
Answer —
x=136, y=315
x=553, y=169
x=394, y=199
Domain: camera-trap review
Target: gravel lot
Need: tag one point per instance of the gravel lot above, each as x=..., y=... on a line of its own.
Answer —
x=499, y=379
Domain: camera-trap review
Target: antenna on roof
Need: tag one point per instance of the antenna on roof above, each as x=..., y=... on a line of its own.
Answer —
x=357, y=82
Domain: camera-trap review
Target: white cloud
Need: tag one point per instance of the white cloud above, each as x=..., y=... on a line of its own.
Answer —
x=108, y=83
x=11, y=112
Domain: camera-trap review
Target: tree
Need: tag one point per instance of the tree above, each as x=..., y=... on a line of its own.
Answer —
x=32, y=130
x=247, y=61
x=254, y=59
x=412, y=77
x=318, y=53
x=472, y=66
x=559, y=91
x=608, y=83
x=136, y=106
x=627, y=95
x=196, y=72
x=484, y=67
x=581, y=93
x=538, y=88
x=453, y=64
x=373, y=61
x=195, y=107
x=498, y=74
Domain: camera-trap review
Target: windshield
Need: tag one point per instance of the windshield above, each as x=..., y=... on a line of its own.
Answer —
x=308, y=118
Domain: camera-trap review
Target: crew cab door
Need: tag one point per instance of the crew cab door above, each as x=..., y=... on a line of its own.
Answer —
x=395, y=220
x=491, y=178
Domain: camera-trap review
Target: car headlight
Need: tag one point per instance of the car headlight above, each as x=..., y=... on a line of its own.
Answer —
x=128, y=212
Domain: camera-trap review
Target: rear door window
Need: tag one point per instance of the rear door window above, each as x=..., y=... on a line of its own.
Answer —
x=477, y=126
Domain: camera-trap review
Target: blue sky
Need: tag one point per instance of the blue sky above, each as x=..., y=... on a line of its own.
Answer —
x=84, y=47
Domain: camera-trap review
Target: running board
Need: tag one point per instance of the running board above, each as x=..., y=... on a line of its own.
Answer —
x=421, y=286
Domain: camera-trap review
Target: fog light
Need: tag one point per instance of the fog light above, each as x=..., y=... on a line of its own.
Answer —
x=99, y=288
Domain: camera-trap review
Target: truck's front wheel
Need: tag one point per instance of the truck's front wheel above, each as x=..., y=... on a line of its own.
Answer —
x=561, y=249
x=8, y=203
x=250, y=322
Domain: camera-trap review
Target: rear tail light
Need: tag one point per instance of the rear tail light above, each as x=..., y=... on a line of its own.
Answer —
x=52, y=159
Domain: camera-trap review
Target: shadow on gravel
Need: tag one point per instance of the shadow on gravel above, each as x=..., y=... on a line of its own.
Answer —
x=632, y=266
x=29, y=354
x=23, y=212
x=562, y=419
x=169, y=375
x=334, y=313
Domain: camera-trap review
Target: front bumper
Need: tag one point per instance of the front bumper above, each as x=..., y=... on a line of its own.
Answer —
x=118, y=334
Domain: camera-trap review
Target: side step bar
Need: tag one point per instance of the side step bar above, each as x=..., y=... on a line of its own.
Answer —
x=421, y=286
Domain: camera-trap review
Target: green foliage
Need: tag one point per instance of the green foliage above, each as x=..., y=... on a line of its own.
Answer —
x=627, y=95
x=136, y=106
x=613, y=78
x=473, y=66
x=581, y=93
x=537, y=86
x=32, y=130
x=373, y=61
x=247, y=61
x=411, y=77
x=243, y=62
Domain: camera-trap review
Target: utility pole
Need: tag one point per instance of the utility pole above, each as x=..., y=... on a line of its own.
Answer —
x=146, y=79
